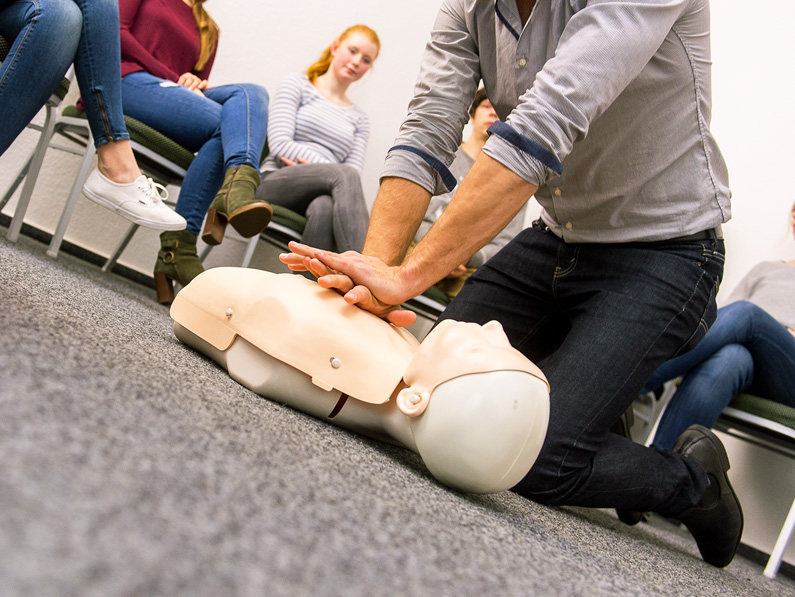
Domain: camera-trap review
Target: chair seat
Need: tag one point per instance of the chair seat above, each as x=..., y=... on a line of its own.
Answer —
x=288, y=218
x=5, y=48
x=767, y=409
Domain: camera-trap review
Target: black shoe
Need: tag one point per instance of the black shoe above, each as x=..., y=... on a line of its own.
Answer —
x=631, y=517
x=716, y=522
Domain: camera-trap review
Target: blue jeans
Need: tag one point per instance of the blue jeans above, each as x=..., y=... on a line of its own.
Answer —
x=48, y=35
x=745, y=351
x=598, y=320
x=227, y=127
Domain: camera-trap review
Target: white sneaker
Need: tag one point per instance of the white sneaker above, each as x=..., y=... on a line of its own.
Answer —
x=140, y=201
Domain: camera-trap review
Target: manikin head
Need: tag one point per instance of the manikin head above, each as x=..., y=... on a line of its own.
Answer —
x=478, y=408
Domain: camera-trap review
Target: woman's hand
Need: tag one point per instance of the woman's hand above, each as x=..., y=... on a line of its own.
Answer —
x=288, y=162
x=457, y=272
x=192, y=82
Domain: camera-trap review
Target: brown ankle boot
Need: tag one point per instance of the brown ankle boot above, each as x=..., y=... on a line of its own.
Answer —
x=177, y=261
x=235, y=204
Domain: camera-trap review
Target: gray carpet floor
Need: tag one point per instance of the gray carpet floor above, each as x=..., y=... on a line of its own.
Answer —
x=131, y=465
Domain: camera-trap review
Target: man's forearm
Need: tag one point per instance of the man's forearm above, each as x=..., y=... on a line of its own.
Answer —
x=397, y=213
x=487, y=200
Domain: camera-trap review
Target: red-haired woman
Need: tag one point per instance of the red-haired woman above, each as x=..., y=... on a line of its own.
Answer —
x=317, y=139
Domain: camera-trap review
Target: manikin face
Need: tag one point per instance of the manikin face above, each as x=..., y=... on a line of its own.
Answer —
x=353, y=57
x=484, y=117
x=455, y=348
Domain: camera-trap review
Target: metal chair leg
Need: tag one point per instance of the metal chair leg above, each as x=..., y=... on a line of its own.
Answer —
x=71, y=202
x=120, y=248
x=17, y=181
x=32, y=174
x=250, y=248
x=784, y=536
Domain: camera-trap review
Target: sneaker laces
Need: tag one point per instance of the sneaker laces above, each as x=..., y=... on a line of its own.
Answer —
x=152, y=193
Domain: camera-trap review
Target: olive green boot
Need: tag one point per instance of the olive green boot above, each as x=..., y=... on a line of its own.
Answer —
x=177, y=261
x=235, y=204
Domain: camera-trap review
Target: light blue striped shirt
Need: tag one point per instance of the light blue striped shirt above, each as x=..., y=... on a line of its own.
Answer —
x=605, y=106
x=304, y=124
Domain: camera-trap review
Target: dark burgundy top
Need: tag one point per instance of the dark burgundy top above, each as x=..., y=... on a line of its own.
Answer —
x=160, y=37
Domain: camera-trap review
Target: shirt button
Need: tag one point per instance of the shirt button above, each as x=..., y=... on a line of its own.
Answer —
x=568, y=226
x=522, y=62
x=558, y=192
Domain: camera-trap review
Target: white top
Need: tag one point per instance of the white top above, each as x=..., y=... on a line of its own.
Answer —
x=770, y=285
x=304, y=124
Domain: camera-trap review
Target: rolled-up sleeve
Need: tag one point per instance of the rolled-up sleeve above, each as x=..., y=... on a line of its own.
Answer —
x=448, y=79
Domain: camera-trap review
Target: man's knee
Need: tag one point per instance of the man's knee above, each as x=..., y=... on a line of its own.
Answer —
x=546, y=485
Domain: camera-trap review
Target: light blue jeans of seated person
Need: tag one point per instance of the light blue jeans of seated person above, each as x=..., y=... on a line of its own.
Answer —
x=225, y=125
x=746, y=350
x=47, y=36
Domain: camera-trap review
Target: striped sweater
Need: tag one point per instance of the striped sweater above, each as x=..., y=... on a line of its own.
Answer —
x=304, y=124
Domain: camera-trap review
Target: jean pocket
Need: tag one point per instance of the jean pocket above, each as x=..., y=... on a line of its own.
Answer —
x=707, y=318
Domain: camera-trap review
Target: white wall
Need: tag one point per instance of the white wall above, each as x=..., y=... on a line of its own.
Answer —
x=753, y=121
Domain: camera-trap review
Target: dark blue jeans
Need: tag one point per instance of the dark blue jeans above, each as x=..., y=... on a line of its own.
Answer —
x=746, y=350
x=47, y=36
x=226, y=127
x=598, y=320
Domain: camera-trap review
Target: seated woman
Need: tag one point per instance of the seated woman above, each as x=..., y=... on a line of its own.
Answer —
x=481, y=116
x=750, y=348
x=48, y=36
x=167, y=49
x=317, y=138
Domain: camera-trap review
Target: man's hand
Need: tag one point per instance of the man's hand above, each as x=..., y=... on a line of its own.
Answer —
x=366, y=282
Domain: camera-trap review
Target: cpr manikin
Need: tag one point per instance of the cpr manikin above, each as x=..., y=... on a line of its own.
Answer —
x=474, y=408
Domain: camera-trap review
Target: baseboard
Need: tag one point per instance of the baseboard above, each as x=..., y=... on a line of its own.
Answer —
x=81, y=253
x=761, y=558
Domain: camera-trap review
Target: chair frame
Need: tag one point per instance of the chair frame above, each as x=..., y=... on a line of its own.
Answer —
x=772, y=436
x=29, y=172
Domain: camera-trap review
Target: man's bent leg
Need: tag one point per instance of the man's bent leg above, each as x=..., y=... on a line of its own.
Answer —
x=630, y=308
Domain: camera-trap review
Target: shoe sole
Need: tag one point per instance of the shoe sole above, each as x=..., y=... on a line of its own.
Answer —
x=251, y=220
x=725, y=465
x=136, y=219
